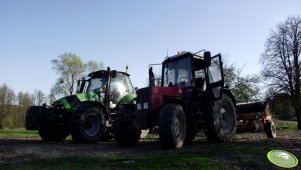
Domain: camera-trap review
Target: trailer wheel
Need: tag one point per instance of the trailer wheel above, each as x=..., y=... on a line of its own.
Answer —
x=221, y=119
x=53, y=135
x=124, y=133
x=87, y=124
x=172, y=126
x=270, y=129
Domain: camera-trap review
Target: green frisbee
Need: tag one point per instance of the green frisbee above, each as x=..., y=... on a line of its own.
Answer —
x=282, y=158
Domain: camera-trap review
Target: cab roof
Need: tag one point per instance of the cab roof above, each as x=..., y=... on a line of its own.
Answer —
x=103, y=72
x=177, y=57
x=182, y=55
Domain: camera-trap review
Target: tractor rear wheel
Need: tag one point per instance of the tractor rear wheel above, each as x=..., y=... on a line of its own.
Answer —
x=270, y=129
x=124, y=133
x=172, y=126
x=87, y=124
x=53, y=135
x=221, y=119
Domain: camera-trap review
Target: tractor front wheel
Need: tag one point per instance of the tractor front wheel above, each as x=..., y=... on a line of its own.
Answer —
x=172, y=126
x=124, y=133
x=87, y=124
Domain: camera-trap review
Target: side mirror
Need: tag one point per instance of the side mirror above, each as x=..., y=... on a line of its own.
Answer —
x=114, y=74
x=207, y=58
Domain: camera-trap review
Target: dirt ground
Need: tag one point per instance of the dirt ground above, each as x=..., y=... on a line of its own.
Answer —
x=17, y=150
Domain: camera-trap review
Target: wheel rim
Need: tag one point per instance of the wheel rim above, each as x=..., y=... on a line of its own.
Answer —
x=226, y=119
x=177, y=126
x=91, y=125
x=273, y=129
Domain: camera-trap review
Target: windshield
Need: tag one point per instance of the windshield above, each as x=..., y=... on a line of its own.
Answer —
x=177, y=73
x=120, y=87
x=95, y=84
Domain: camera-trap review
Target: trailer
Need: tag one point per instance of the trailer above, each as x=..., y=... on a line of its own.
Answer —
x=254, y=117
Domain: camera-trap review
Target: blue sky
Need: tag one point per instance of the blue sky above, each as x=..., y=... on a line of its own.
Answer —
x=133, y=32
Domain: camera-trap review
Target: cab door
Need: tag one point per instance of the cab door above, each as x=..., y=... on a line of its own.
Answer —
x=215, y=76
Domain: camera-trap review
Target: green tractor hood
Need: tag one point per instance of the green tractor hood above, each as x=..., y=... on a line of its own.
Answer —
x=128, y=98
x=70, y=103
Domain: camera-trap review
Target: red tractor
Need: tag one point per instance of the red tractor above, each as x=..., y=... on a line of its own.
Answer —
x=191, y=97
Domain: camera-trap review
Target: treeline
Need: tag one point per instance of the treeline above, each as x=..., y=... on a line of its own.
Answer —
x=68, y=66
x=14, y=105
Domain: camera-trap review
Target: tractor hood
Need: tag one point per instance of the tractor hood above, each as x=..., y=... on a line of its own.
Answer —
x=70, y=103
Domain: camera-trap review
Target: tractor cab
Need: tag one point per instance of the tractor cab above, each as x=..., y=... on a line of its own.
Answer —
x=177, y=71
x=190, y=70
x=111, y=86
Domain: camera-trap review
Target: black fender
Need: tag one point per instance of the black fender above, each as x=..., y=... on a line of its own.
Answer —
x=227, y=91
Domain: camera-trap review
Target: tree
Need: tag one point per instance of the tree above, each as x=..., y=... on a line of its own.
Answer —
x=7, y=98
x=70, y=68
x=38, y=97
x=94, y=66
x=20, y=114
x=281, y=61
x=51, y=98
x=244, y=88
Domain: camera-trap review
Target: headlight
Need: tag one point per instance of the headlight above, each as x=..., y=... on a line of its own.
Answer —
x=139, y=106
x=59, y=105
x=145, y=105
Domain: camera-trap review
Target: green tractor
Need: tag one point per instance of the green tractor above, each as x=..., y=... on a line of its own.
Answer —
x=89, y=114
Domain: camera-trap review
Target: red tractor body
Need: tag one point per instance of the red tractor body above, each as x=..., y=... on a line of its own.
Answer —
x=149, y=102
x=191, y=97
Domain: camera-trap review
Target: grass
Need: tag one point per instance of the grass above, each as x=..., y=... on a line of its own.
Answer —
x=22, y=133
x=287, y=125
x=18, y=133
x=162, y=161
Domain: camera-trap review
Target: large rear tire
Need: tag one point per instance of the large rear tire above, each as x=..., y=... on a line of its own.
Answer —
x=172, y=126
x=87, y=124
x=53, y=135
x=221, y=119
x=124, y=133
